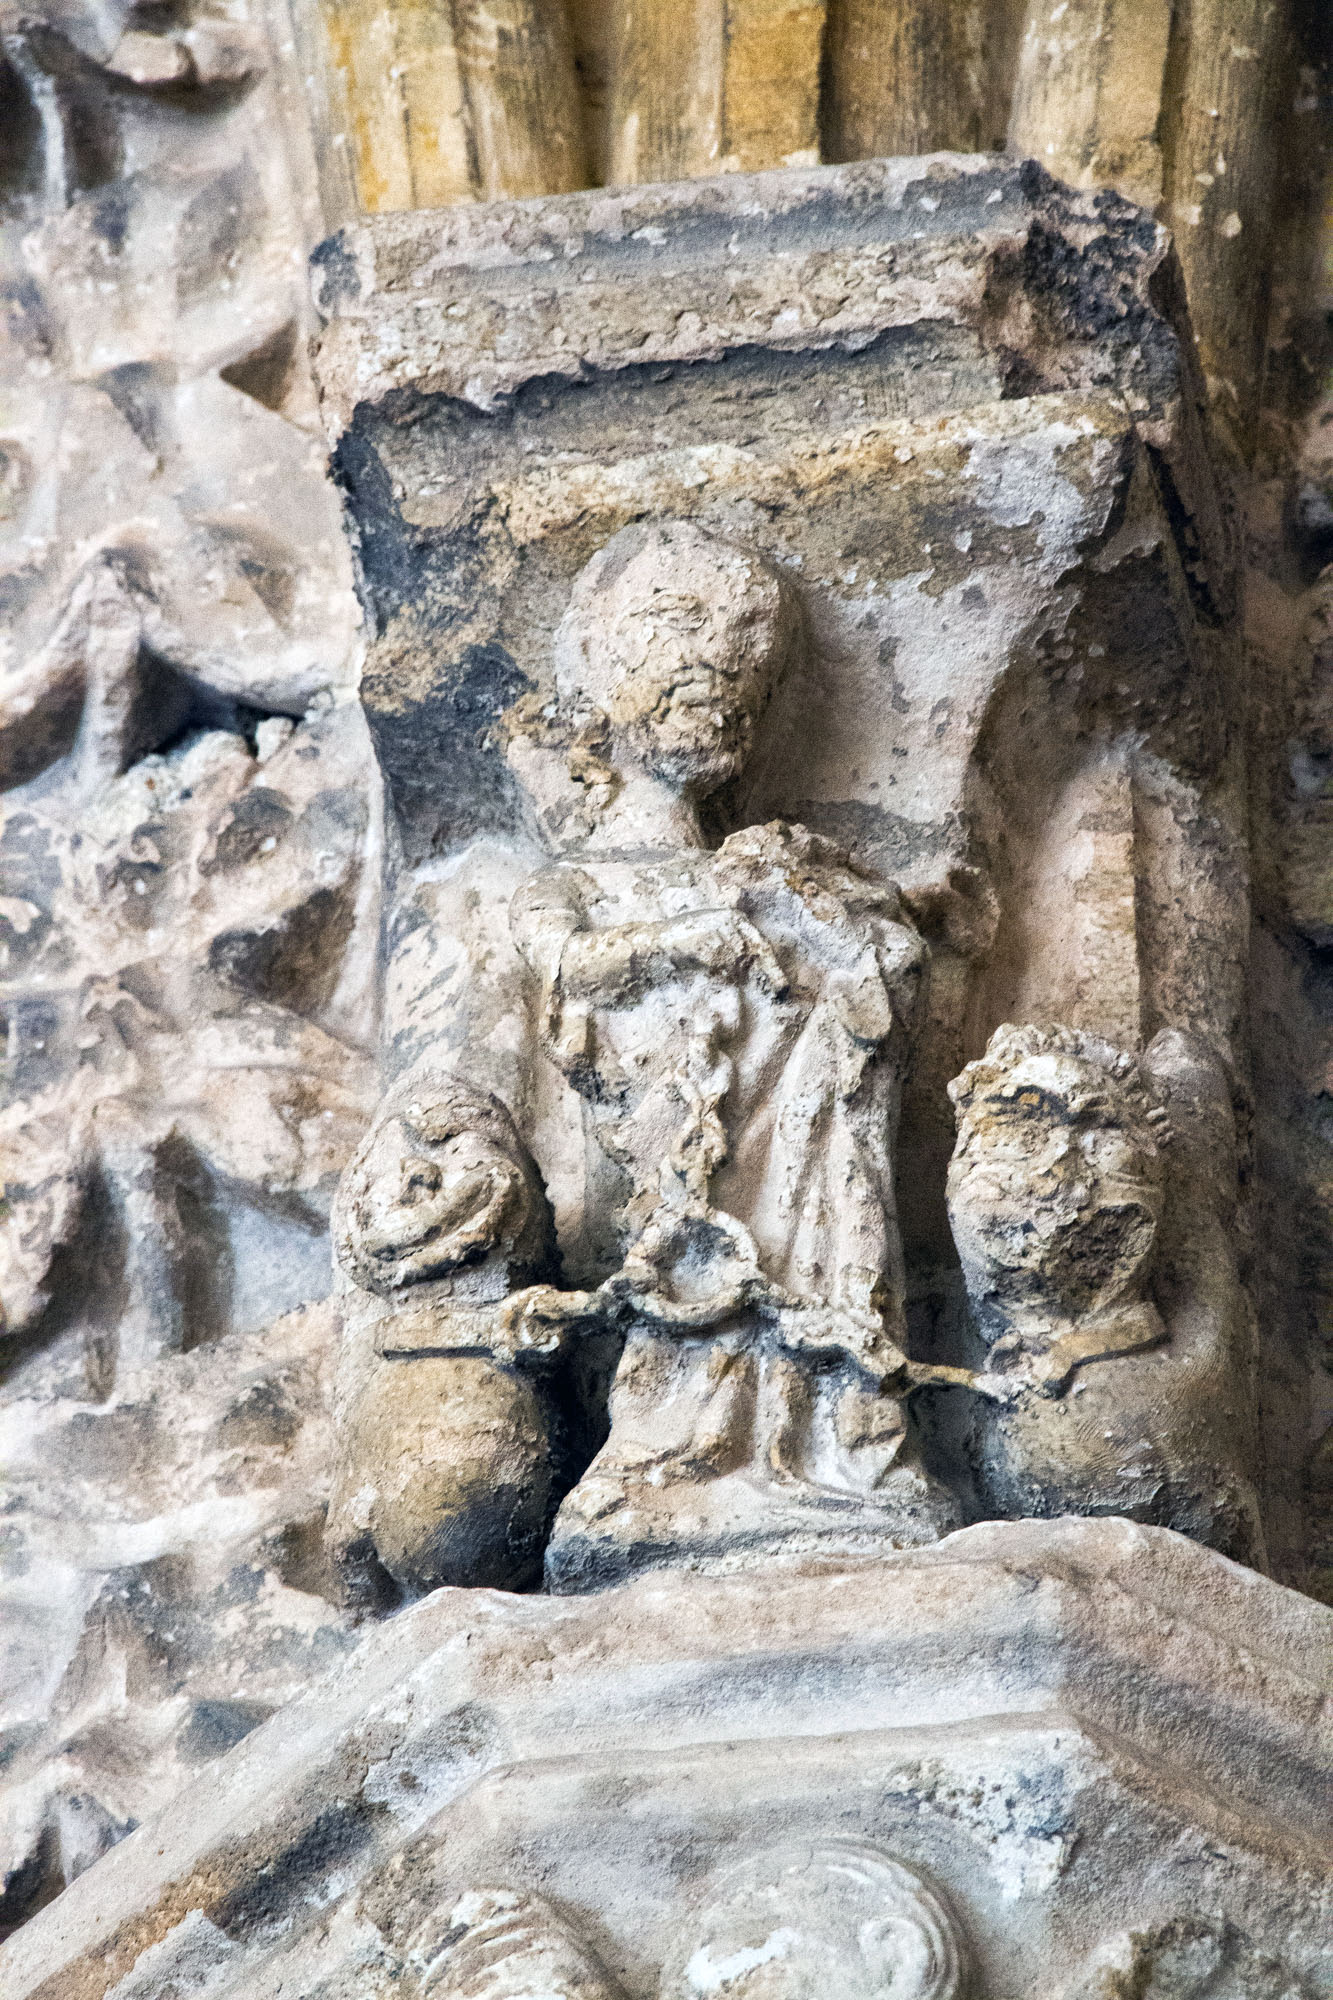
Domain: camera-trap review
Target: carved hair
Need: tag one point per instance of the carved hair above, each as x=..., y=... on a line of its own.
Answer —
x=608, y=628
x=991, y=1075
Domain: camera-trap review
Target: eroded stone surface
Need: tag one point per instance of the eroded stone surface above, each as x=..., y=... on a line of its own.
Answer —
x=173, y=1599
x=802, y=640
x=190, y=852
x=1078, y=1175
x=641, y=742
x=1028, y=1717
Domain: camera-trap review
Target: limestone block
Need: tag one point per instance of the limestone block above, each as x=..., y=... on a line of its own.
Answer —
x=802, y=637
x=905, y=78
x=1088, y=98
x=1221, y=188
x=732, y=87
x=454, y=103
x=1067, y=1753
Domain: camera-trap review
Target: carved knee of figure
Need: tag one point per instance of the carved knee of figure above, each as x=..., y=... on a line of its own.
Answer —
x=444, y=1477
x=684, y=1408
x=1132, y=1435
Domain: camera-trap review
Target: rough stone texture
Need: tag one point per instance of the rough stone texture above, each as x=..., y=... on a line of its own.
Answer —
x=189, y=840
x=1182, y=108
x=805, y=658
x=164, y=1587
x=1030, y=1717
x=1088, y=95
x=1069, y=1184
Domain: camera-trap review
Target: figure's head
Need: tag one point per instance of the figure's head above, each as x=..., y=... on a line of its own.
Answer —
x=808, y=1921
x=679, y=638
x=1055, y=1186
x=441, y=1182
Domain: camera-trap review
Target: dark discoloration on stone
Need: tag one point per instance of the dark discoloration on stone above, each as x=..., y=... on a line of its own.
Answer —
x=335, y=274
x=293, y=958
x=264, y=1900
x=217, y=1726
x=258, y=815
x=32, y=867
x=441, y=753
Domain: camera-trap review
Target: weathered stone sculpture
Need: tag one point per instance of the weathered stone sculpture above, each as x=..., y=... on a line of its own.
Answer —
x=190, y=867
x=735, y=1023
x=1190, y=1959
x=1056, y=1200
x=444, y=1471
x=799, y=629
x=1076, y=1170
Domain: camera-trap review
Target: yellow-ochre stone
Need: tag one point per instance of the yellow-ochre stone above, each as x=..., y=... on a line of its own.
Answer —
x=461, y=102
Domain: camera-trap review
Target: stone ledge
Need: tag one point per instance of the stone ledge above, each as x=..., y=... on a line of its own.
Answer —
x=475, y=302
x=1207, y=1680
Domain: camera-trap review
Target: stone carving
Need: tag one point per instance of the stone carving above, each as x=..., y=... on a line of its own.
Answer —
x=790, y=1923
x=646, y=1251
x=734, y=1020
x=187, y=818
x=189, y=879
x=170, y=972
x=1074, y=1164
x=503, y=1944
x=830, y=1917
x=1055, y=1197
x=447, y=1442
x=1189, y=1959
x=443, y=1187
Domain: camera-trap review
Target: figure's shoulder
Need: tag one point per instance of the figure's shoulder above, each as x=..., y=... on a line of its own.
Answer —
x=811, y=860
x=552, y=885
x=777, y=840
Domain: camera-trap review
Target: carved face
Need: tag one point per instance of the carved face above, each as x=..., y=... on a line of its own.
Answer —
x=1054, y=1187
x=429, y=1192
x=678, y=637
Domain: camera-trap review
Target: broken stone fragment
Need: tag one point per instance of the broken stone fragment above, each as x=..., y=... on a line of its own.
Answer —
x=154, y=62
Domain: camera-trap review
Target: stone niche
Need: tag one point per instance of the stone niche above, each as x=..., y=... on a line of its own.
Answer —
x=810, y=1721
x=950, y=402
x=953, y=413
